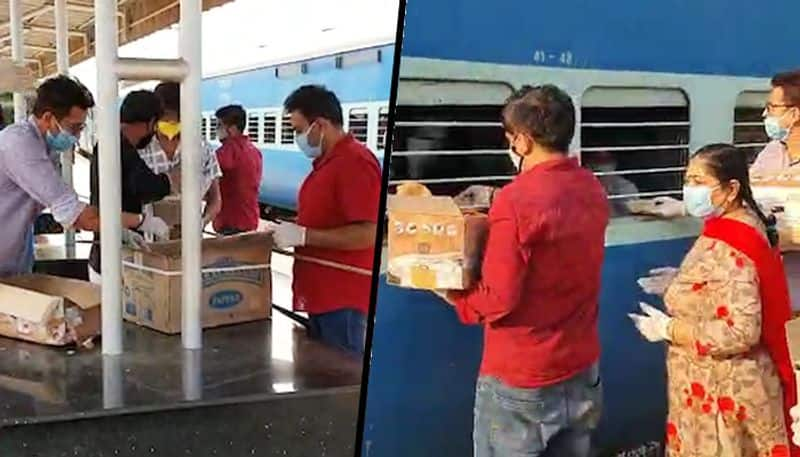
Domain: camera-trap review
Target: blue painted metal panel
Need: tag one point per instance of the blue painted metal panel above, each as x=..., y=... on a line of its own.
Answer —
x=724, y=37
x=283, y=173
x=424, y=366
x=260, y=87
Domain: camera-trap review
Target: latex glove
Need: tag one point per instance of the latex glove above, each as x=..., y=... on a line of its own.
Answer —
x=795, y=413
x=479, y=196
x=155, y=226
x=653, y=325
x=667, y=207
x=134, y=240
x=287, y=234
x=658, y=280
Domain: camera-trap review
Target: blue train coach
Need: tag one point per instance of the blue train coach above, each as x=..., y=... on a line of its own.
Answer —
x=651, y=81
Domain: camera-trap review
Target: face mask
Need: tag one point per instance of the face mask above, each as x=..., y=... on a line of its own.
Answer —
x=515, y=159
x=775, y=131
x=698, y=201
x=61, y=141
x=301, y=139
x=144, y=141
x=222, y=134
x=169, y=129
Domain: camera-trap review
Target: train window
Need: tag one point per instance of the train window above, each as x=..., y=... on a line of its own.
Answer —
x=357, y=124
x=287, y=132
x=383, y=122
x=748, y=127
x=254, y=127
x=270, y=126
x=448, y=135
x=636, y=141
x=204, y=127
x=291, y=70
x=354, y=58
x=212, y=128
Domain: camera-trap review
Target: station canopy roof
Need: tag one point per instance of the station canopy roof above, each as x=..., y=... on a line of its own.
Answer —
x=135, y=19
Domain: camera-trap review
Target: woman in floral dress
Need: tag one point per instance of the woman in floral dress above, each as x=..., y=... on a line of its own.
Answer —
x=729, y=374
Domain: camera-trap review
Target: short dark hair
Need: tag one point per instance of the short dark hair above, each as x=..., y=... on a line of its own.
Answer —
x=140, y=106
x=790, y=83
x=315, y=102
x=232, y=115
x=545, y=113
x=170, y=95
x=59, y=95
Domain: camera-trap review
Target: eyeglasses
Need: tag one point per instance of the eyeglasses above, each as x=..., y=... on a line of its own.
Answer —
x=74, y=129
x=771, y=107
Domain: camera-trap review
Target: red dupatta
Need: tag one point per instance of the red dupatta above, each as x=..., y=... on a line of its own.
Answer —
x=775, y=301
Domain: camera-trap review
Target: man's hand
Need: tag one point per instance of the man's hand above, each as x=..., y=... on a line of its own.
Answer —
x=134, y=240
x=287, y=235
x=475, y=196
x=155, y=226
x=666, y=207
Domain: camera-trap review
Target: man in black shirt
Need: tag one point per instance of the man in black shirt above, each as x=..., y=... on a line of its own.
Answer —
x=140, y=185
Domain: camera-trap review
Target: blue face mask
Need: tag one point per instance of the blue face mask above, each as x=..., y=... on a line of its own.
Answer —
x=61, y=141
x=698, y=201
x=775, y=131
x=301, y=139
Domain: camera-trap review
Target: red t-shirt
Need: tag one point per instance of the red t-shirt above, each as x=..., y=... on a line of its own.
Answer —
x=343, y=188
x=539, y=291
x=240, y=162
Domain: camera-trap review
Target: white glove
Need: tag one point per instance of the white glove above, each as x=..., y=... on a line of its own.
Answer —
x=667, y=207
x=795, y=413
x=653, y=325
x=658, y=280
x=133, y=240
x=155, y=226
x=287, y=234
x=477, y=196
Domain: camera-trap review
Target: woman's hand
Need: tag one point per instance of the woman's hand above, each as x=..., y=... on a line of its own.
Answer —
x=658, y=280
x=653, y=325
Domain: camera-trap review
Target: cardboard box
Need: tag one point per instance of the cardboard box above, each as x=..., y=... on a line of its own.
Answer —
x=169, y=209
x=237, y=282
x=779, y=192
x=433, y=244
x=793, y=339
x=49, y=310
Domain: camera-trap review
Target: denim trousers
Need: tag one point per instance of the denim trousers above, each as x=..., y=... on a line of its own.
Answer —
x=345, y=329
x=551, y=421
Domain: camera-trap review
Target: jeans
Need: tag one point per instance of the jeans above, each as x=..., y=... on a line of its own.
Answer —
x=345, y=329
x=552, y=421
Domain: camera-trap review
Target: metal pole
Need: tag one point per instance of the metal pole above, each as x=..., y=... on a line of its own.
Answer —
x=109, y=174
x=17, y=53
x=62, y=63
x=191, y=231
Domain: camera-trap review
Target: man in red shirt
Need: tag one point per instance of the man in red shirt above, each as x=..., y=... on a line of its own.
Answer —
x=240, y=162
x=337, y=215
x=539, y=388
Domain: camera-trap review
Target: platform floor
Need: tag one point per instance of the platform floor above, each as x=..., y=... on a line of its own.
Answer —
x=238, y=363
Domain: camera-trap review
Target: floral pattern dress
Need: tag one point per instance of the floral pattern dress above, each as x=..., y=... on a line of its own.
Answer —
x=725, y=397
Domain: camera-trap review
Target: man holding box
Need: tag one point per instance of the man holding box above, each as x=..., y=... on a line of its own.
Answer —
x=337, y=215
x=539, y=389
x=140, y=185
x=162, y=153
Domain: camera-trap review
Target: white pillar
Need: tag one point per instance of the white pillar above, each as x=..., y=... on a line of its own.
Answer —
x=62, y=63
x=17, y=53
x=191, y=230
x=109, y=174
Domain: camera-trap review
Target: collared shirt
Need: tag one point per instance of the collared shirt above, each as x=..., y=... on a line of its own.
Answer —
x=140, y=185
x=343, y=188
x=158, y=161
x=29, y=183
x=241, y=163
x=774, y=157
x=540, y=279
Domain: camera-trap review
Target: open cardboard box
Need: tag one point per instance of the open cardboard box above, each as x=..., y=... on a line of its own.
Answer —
x=236, y=281
x=433, y=244
x=793, y=338
x=49, y=310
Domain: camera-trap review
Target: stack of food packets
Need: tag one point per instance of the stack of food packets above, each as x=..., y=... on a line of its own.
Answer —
x=779, y=193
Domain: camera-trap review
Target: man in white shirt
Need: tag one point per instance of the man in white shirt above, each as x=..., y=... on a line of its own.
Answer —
x=163, y=153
